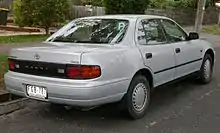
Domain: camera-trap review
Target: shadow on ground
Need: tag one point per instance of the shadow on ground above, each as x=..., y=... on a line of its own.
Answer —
x=163, y=96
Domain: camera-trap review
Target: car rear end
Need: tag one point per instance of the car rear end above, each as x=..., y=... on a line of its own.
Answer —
x=70, y=67
x=47, y=74
x=53, y=78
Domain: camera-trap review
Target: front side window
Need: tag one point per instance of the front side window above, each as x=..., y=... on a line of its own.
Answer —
x=173, y=32
x=92, y=31
x=150, y=32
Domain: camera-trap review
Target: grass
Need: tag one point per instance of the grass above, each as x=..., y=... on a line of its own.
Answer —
x=212, y=29
x=3, y=64
x=3, y=69
x=3, y=58
x=22, y=39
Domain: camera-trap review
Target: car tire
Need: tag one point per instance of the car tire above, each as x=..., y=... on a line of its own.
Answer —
x=206, y=70
x=137, y=98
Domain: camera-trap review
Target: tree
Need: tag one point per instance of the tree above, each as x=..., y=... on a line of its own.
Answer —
x=43, y=13
x=159, y=3
x=76, y=2
x=17, y=13
x=125, y=6
x=92, y=2
x=177, y=3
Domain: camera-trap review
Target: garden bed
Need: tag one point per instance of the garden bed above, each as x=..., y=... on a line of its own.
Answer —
x=19, y=29
x=22, y=39
x=8, y=102
x=5, y=96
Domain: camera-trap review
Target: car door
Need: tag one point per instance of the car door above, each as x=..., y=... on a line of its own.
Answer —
x=157, y=54
x=188, y=53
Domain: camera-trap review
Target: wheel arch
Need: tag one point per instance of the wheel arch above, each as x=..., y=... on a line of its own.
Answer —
x=211, y=53
x=146, y=73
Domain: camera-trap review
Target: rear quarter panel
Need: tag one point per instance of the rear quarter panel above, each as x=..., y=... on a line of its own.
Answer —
x=117, y=63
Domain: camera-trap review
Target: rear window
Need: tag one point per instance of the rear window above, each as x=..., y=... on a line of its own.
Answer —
x=93, y=31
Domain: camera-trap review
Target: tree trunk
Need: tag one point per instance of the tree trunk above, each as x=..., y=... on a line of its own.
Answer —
x=47, y=30
x=199, y=15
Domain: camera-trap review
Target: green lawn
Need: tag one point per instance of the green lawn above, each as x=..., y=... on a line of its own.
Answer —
x=3, y=58
x=212, y=29
x=3, y=68
x=22, y=39
x=3, y=63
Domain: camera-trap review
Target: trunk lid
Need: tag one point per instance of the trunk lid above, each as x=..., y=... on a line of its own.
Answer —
x=50, y=60
x=53, y=53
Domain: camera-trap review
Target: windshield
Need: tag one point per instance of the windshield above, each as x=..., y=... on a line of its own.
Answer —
x=92, y=31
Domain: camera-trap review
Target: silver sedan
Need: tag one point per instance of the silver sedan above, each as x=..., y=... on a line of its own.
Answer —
x=98, y=60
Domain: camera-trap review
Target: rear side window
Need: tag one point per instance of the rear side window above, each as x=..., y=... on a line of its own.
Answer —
x=173, y=32
x=150, y=32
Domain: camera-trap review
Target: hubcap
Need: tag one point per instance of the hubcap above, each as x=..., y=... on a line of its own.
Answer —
x=139, y=97
x=207, y=69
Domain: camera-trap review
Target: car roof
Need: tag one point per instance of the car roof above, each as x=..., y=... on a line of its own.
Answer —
x=126, y=16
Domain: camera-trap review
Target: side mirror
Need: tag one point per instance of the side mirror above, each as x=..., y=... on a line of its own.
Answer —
x=193, y=36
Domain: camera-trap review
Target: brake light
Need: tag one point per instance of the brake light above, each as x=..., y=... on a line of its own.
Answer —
x=83, y=72
x=11, y=64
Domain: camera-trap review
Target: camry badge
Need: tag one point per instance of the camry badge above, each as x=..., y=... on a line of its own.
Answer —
x=37, y=56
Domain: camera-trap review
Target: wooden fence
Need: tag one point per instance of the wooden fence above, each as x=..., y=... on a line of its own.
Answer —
x=84, y=11
x=186, y=16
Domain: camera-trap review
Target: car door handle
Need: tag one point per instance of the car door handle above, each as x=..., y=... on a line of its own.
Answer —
x=178, y=50
x=148, y=55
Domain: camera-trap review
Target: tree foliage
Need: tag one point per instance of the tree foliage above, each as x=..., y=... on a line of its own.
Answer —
x=159, y=3
x=17, y=13
x=125, y=6
x=92, y=2
x=76, y=2
x=87, y=2
x=43, y=13
x=178, y=3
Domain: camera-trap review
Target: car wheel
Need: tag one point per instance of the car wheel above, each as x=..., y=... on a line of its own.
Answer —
x=138, y=97
x=205, y=74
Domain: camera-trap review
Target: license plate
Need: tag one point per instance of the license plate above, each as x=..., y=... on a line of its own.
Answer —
x=36, y=91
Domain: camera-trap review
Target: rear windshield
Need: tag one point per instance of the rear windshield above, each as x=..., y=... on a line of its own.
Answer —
x=93, y=31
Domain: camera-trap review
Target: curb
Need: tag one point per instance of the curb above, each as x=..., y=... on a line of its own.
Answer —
x=11, y=106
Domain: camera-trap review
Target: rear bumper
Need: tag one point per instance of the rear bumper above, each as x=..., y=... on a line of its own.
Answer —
x=69, y=92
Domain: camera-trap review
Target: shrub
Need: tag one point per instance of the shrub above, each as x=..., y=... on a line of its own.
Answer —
x=92, y=2
x=17, y=13
x=180, y=3
x=176, y=3
x=43, y=13
x=160, y=3
x=125, y=6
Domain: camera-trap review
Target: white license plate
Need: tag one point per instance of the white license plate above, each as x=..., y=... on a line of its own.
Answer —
x=36, y=91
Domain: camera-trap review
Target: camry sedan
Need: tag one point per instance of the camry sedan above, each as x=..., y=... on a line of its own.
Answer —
x=98, y=60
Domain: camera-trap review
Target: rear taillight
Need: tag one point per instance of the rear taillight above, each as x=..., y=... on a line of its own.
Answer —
x=83, y=72
x=11, y=64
